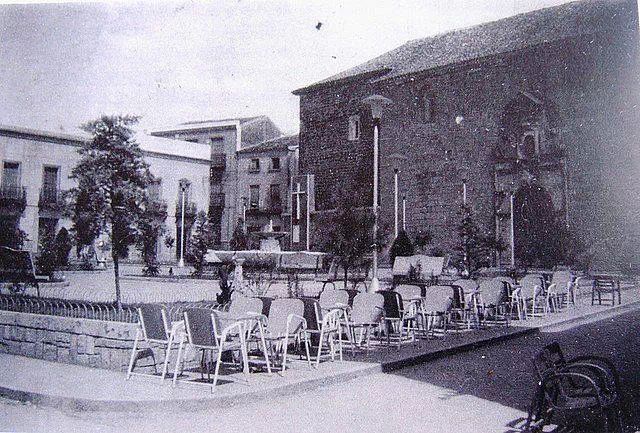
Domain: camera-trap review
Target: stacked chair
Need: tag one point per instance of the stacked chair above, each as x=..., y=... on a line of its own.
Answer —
x=576, y=393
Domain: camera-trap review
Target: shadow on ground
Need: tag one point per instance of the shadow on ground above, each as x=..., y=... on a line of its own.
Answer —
x=503, y=372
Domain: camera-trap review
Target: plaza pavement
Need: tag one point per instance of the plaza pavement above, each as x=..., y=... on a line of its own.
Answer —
x=82, y=388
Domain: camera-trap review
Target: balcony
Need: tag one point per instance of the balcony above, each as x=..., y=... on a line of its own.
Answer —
x=13, y=199
x=219, y=161
x=190, y=210
x=268, y=209
x=51, y=200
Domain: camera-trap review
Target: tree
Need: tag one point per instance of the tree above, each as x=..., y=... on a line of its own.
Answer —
x=401, y=247
x=112, y=178
x=348, y=235
x=10, y=234
x=239, y=240
x=475, y=247
x=151, y=226
x=54, y=252
x=63, y=246
x=203, y=239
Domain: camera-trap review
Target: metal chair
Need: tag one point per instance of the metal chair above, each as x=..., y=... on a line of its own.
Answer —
x=604, y=285
x=154, y=330
x=437, y=304
x=574, y=393
x=201, y=333
x=285, y=324
x=494, y=301
x=366, y=315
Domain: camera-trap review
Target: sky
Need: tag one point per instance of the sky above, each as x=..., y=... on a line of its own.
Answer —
x=170, y=62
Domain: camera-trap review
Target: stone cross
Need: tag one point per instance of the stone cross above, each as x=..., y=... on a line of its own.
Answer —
x=297, y=193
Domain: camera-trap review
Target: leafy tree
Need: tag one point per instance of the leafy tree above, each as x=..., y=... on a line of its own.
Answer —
x=422, y=239
x=54, y=252
x=47, y=260
x=203, y=238
x=401, y=247
x=475, y=247
x=239, y=240
x=348, y=235
x=63, y=245
x=151, y=226
x=112, y=178
x=10, y=234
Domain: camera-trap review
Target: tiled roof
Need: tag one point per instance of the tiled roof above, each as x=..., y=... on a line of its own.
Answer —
x=280, y=143
x=77, y=137
x=148, y=143
x=502, y=36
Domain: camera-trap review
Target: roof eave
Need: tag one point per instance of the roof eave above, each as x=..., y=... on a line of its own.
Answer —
x=325, y=84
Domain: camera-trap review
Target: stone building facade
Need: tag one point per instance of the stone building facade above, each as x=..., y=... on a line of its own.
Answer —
x=537, y=106
x=36, y=166
x=224, y=138
x=265, y=171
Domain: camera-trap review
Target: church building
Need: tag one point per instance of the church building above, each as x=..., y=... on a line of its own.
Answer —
x=533, y=120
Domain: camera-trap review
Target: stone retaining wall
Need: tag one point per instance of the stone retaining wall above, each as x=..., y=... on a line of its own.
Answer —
x=88, y=342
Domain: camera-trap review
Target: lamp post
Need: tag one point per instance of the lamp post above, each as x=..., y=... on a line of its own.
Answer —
x=183, y=188
x=244, y=214
x=513, y=235
x=404, y=213
x=376, y=103
x=395, y=201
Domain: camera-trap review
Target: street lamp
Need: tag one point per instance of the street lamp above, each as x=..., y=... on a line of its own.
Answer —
x=398, y=160
x=244, y=214
x=376, y=103
x=183, y=188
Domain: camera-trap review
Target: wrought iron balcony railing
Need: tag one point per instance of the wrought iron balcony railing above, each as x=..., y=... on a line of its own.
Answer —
x=13, y=197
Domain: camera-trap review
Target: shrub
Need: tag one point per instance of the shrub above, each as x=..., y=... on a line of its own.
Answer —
x=401, y=247
x=239, y=240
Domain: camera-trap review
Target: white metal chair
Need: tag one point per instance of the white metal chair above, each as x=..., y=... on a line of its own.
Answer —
x=532, y=288
x=494, y=301
x=366, y=314
x=330, y=328
x=154, y=330
x=286, y=324
x=564, y=287
x=437, y=304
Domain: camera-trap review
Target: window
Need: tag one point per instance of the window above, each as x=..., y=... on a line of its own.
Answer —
x=354, y=128
x=50, y=179
x=11, y=176
x=254, y=165
x=274, y=196
x=155, y=190
x=275, y=164
x=191, y=140
x=254, y=196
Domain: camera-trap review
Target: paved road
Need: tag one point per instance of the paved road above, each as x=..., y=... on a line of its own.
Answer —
x=503, y=373
x=486, y=390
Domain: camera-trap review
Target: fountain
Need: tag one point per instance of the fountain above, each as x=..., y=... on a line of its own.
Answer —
x=269, y=240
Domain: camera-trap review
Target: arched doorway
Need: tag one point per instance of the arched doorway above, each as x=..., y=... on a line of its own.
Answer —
x=535, y=227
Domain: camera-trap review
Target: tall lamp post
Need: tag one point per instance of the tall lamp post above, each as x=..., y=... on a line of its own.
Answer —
x=183, y=188
x=376, y=103
x=244, y=214
x=398, y=159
